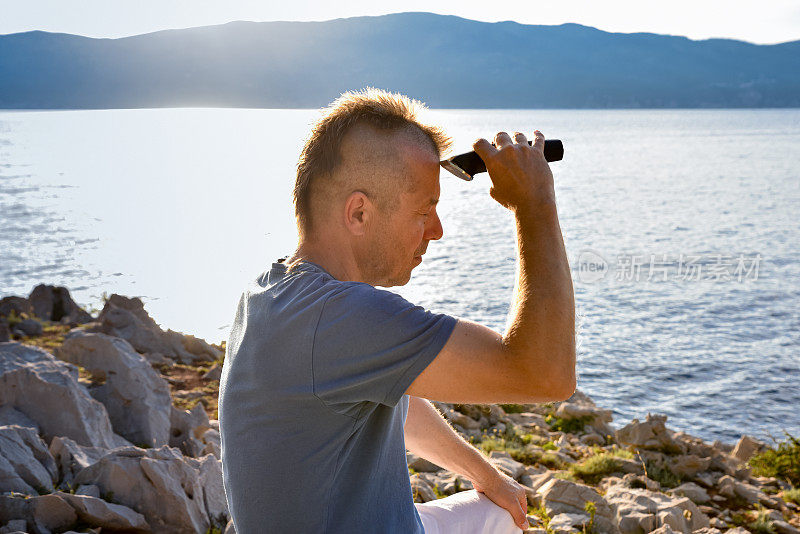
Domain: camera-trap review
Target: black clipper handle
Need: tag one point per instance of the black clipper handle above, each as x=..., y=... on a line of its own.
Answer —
x=470, y=163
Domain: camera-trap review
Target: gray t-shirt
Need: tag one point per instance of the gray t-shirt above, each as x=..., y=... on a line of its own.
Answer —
x=312, y=403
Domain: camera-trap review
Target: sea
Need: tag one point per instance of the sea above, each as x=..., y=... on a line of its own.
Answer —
x=681, y=227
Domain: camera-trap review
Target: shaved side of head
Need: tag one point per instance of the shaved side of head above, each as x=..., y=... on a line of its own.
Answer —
x=372, y=161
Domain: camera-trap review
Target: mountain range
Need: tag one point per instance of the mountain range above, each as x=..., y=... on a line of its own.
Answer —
x=446, y=61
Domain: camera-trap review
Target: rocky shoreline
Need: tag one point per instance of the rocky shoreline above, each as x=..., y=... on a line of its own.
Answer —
x=108, y=424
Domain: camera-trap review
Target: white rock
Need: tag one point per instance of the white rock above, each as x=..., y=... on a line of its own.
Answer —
x=505, y=463
x=135, y=395
x=126, y=318
x=90, y=490
x=212, y=443
x=536, y=480
x=158, y=359
x=633, y=521
x=562, y=496
x=528, y=420
x=55, y=304
x=688, y=465
x=10, y=416
x=99, y=513
x=592, y=439
x=650, y=434
x=632, y=480
x=464, y=421
x=202, y=350
x=188, y=428
x=72, y=458
x=562, y=442
x=746, y=447
x=25, y=464
x=679, y=513
x=782, y=527
x=422, y=489
x=215, y=373
x=175, y=494
x=697, y=494
x=731, y=488
x=44, y=513
x=47, y=391
x=706, y=479
x=210, y=478
x=418, y=464
x=664, y=529
x=565, y=523
x=580, y=405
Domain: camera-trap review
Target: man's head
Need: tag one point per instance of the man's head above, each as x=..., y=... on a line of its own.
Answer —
x=365, y=182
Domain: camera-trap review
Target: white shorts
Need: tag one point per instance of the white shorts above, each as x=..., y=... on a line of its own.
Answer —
x=466, y=512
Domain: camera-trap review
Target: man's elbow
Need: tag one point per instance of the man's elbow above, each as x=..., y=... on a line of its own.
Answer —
x=566, y=389
x=555, y=384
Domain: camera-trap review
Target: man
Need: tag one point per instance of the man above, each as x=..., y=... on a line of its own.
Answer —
x=326, y=377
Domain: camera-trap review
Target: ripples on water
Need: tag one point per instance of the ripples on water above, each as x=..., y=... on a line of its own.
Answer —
x=183, y=207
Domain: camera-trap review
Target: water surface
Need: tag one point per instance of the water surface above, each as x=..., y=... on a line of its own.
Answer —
x=183, y=207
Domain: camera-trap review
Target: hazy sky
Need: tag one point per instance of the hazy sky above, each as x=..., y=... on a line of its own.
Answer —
x=763, y=22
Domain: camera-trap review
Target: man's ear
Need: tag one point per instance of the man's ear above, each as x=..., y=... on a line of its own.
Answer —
x=358, y=212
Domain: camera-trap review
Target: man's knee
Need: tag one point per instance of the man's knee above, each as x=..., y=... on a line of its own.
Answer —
x=467, y=512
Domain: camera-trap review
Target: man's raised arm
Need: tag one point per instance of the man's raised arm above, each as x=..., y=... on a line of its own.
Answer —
x=535, y=360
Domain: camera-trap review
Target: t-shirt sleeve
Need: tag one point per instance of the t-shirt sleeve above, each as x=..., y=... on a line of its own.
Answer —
x=370, y=345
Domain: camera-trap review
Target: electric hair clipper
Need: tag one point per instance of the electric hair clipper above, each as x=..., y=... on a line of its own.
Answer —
x=466, y=166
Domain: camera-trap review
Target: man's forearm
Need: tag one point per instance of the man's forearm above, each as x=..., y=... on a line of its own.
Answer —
x=542, y=317
x=429, y=435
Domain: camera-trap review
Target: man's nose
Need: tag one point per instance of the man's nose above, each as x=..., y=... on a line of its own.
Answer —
x=434, y=230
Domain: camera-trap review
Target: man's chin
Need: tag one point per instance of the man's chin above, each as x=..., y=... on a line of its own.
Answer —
x=396, y=281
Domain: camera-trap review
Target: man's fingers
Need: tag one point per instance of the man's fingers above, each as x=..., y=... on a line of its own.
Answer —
x=520, y=138
x=523, y=502
x=502, y=139
x=538, y=142
x=520, y=518
x=483, y=148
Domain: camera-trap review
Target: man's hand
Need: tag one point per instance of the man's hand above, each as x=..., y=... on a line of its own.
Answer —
x=506, y=493
x=520, y=174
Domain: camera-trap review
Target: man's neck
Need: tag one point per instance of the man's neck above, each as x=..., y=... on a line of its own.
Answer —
x=341, y=266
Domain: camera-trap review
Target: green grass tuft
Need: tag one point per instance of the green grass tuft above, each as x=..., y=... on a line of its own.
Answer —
x=512, y=441
x=569, y=426
x=792, y=495
x=761, y=525
x=513, y=408
x=551, y=461
x=663, y=475
x=782, y=462
x=541, y=513
x=594, y=468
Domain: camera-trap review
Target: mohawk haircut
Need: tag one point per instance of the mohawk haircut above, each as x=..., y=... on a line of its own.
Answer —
x=321, y=154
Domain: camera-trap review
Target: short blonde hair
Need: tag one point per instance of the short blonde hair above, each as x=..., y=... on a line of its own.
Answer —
x=321, y=155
